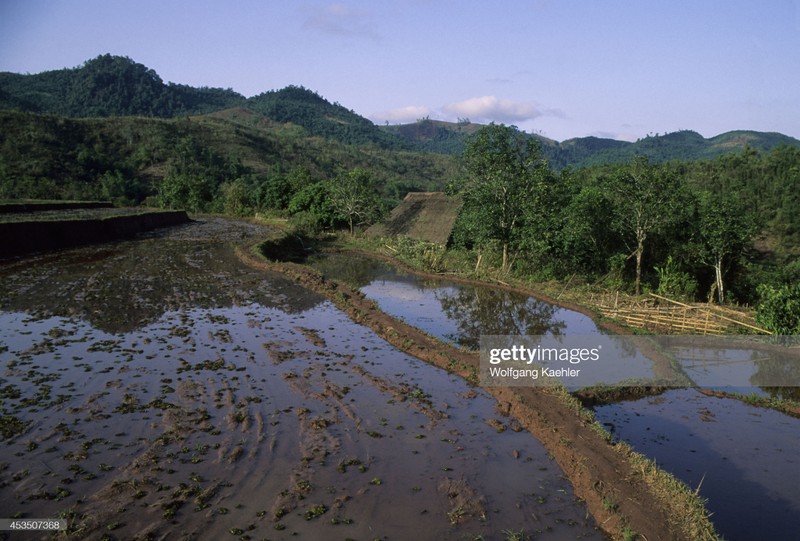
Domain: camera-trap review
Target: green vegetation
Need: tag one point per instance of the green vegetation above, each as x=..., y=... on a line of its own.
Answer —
x=203, y=164
x=505, y=189
x=109, y=86
x=450, y=138
x=676, y=213
x=684, y=229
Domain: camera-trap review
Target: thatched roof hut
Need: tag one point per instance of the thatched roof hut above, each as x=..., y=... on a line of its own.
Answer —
x=427, y=216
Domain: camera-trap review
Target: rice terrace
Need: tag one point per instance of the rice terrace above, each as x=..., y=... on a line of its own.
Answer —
x=270, y=318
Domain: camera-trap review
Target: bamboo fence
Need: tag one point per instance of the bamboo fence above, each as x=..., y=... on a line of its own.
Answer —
x=662, y=315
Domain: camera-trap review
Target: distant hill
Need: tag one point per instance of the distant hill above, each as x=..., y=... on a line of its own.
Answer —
x=47, y=156
x=450, y=138
x=308, y=109
x=114, y=86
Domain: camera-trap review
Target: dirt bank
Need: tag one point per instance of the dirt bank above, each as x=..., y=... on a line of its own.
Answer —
x=37, y=206
x=625, y=494
x=24, y=237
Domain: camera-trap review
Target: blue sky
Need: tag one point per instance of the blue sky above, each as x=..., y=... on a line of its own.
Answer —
x=562, y=68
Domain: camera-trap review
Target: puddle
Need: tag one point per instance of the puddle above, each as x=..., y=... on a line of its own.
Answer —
x=158, y=388
x=743, y=458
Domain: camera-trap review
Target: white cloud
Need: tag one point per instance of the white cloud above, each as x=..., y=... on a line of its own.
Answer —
x=342, y=20
x=402, y=115
x=491, y=108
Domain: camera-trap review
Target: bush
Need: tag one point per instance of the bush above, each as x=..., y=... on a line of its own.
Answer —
x=306, y=224
x=779, y=308
x=672, y=282
x=425, y=255
x=615, y=279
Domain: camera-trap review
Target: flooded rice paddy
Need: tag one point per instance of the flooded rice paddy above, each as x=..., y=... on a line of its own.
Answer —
x=742, y=458
x=457, y=313
x=159, y=389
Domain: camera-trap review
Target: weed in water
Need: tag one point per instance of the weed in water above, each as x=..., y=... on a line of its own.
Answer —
x=316, y=511
x=513, y=535
x=455, y=515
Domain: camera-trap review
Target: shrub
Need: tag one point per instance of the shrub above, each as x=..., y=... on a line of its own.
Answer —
x=779, y=308
x=672, y=282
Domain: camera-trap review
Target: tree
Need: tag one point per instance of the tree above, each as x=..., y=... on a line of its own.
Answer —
x=645, y=200
x=724, y=228
x=314, y=202
x=505, y=174
x=355, y=199
x=586, y=242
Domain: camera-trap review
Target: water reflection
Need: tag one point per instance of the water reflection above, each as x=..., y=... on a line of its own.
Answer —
x=477, y=311
x=124, y=286
x=455, y=312
x=741, y=363
x=738, y=456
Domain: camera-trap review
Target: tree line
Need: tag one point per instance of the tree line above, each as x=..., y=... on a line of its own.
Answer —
x=686, y=230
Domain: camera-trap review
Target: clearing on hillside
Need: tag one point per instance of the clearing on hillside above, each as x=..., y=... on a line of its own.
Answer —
x=427, y=216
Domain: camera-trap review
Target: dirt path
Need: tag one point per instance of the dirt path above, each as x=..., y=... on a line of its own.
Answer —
x=625, y=494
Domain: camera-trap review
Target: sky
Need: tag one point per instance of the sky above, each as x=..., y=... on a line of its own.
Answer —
x=621, y=69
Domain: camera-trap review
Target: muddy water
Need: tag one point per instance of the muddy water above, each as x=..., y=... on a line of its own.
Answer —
x=743, y=458
x=454, y=312
x=158, y=389
x=461, y=313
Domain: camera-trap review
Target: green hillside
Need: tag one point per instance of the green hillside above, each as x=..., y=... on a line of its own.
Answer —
x=109, y=86
x=298, y=105
x=114, y=86
x=127, y=158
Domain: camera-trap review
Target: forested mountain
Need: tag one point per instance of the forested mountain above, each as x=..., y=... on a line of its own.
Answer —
x=126, y=159
x=450, y=138
x=109, y=86
x=308, y=109
x=112, y=86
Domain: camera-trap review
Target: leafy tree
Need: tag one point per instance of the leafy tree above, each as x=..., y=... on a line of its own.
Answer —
x=354, y=197
x=504, y=177
x=724, y=229
x=587, y=242
x=180, y=190
x=275, y=193
x=314, y=201
x=236, y=198
x=645, y=200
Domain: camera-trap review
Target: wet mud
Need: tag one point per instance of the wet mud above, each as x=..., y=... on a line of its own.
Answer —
x=159, y=389
x=738, y=456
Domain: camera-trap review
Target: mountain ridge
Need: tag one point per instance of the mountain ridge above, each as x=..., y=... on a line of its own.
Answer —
x=114, y=86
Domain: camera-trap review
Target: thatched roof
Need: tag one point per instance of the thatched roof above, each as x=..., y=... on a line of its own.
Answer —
x=427, y=216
